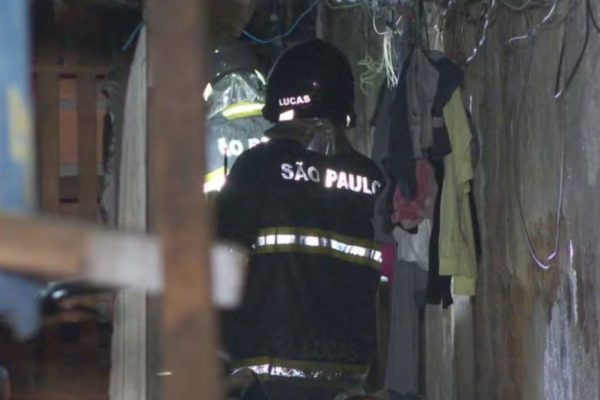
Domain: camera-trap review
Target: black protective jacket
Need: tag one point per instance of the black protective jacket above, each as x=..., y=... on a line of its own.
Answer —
x=309, y=305
x=226, y=139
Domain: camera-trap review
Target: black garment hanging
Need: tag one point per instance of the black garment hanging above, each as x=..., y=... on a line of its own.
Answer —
x=438, y=287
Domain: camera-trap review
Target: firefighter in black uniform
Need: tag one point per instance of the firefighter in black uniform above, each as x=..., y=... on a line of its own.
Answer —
x=302, y=204
x=234, y=102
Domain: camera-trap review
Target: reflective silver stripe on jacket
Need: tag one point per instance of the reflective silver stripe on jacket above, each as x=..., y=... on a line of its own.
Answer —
x=318, y=242
x=331, y=372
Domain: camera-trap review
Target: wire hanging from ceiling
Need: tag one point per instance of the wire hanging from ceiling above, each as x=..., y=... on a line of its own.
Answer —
x=355, y=4
x=286, y=33
x=558, y=91
x=516, y=8
x=546, y=262
x=486, y=26
x=534, y=30
x=590, y=22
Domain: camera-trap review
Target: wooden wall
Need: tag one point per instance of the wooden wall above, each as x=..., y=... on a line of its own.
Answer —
x=537, y=329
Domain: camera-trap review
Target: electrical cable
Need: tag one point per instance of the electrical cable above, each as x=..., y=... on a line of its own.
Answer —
x=590, y=20
x=132, y=36
x=390, y=57
x=344, y=6
x=544, y=264
x=449, y=6
x=559, y=92
x=515, y=8
x=391, y=28
x=390, y=53
x=592, y=16
x=533, y=31
x=288, y=32
x=558, y=21
x=486, y=26
x=377, y=31
x=373, y=69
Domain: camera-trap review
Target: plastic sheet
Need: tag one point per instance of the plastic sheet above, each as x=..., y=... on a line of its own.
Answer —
x=235, y=88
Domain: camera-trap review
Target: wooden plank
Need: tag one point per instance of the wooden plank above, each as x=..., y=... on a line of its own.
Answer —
x=177, y=148
x=227, y=19
x=97, y=70
x=155, y=336
x=87, y=146
x=47, y=130
x=50, y=248
x=69, y=188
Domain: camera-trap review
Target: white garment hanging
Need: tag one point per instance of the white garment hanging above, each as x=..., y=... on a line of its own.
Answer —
x=414, y=247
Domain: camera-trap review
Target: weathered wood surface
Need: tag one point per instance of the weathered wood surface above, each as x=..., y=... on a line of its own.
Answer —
x=176, y=55
x=48, y=140
x=87, y=146
x=537, y=331
x=56, y=249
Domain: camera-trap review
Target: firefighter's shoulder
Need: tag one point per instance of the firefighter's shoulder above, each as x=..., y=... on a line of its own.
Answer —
x=250, y=163
x=367, y=165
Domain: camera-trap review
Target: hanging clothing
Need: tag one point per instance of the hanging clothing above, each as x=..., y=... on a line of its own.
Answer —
x=457, y=244
x=414, y=247
x=438, y=286
x=404, y=126
x=389, y=257
x=410, y=213
x=381, y=119
x=399, y=162
x=408, y=299
x=422, y=81
x=451, y=76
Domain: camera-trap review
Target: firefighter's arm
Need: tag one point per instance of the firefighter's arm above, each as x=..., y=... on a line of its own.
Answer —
x=238, y=202
x=236, y=208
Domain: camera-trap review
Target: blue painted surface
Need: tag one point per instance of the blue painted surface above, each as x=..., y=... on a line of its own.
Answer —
x=18, y=303
x=16, y=134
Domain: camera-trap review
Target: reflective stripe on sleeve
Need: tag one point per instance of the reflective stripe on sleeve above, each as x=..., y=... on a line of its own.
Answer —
x=243, y=110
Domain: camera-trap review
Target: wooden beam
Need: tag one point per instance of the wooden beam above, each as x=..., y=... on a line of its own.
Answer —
x=72, y=70
x=53, y=249
x=69, y=187
x=47, y=130
x=176, y=49
x=227, y=19
x=87, y=146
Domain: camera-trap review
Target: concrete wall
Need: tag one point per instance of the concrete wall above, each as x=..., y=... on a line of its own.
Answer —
x=537, y=331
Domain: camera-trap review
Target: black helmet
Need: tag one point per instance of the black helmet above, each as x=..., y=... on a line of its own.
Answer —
x=311, y=80
x=232, y=57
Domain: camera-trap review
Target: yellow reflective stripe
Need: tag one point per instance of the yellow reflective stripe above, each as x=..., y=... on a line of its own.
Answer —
x=273, y=367
x=323, y=251
x=243, y=110
x=215, y=174
x=214, y=180
x=291, y=230
x=315, y=241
